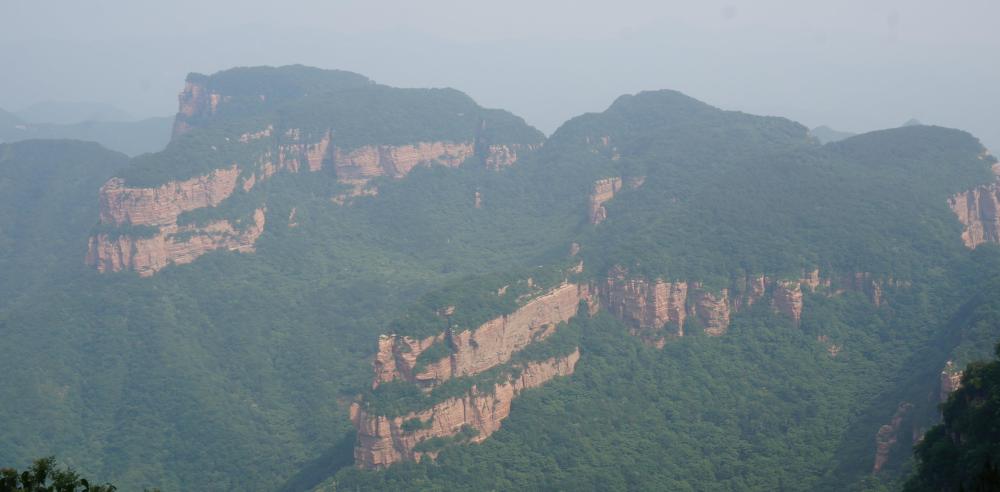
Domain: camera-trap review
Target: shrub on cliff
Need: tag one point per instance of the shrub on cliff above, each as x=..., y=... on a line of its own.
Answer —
x=963, y=452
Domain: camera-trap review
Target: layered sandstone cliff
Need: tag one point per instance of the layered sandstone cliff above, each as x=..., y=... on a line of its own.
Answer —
x=140, y=229
x=358, y=166
x=171, y=245
x=383, y=440
x=977, y=209
x=603, y=191
x=656, y=310
x=471, y=417
x=195, y=101
x=476, y=350
x=499, y=156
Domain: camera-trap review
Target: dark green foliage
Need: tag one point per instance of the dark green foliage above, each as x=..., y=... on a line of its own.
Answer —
x=466, y=433
x=235, y=372
x=45, y=476
x=416, y=424
x=434, y=353
x=963, y=452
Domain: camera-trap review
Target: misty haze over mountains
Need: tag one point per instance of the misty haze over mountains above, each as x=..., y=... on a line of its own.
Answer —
x=655, y=246
x=852, y=65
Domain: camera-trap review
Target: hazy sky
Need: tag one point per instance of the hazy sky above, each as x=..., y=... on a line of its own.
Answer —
x=852, y=64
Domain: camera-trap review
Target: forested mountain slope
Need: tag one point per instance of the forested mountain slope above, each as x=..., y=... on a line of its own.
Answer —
x=661, y=295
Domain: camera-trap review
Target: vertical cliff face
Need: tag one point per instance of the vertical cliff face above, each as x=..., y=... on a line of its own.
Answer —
x=788, y=299
x=951, y=380
x=144, y=232
x=357, y=167
x=171, y=245
x=472, y=417
x=887, y=436
x=712, y=309
x=646, y=306
x=603, y=191
x=386, y=438
x=160, y=206
x=194, y=102
x=649, y=305
x=977, y=209
x=499, y=156
x=485, y=347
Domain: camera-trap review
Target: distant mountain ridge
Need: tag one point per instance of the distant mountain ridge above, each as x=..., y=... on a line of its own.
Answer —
x=72, y=112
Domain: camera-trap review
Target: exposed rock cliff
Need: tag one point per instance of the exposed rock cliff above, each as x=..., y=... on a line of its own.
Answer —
x=161, y=241
x=195, y=101
x=604, y=190
x=712, y=309
x=977, y=209
x=788, y=299
x=160, y=206
x=359, y=166
x=951, y=380
x=170, y=245
x=648, y=306
x=383, y=441
x=474, y=351
x=499, y=156
x=887, y=436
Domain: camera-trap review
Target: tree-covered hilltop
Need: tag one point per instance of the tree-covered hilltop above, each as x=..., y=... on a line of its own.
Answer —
x=963, y=452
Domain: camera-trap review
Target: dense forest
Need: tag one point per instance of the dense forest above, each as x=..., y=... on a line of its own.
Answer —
x=236, y=371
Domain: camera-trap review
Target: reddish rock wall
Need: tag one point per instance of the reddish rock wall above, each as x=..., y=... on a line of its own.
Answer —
x=383, y=441
x=171, y=245
x=604, y=190
x=487, y=346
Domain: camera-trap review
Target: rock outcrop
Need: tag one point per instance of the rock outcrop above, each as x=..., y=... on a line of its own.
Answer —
x=487, y=346
x=171, y=245
x=383, y=440
x=603, y=191
x=788, y=299
x=648, y=306
x=951, y=380
x=712, y=309
x=120, y=204
x=477, y=413
x=195, y=101
x=499, y=156
x=977, y=209
x=141, y=230
x=887, y=436
x=359, y=166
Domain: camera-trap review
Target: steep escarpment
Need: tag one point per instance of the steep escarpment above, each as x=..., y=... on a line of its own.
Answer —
x=604, y=190
x=977, y=209
x=467, y=378
x=472, y=351
x=656, y=309
x=139, y=227
x=237, y=128
x=470, y=417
